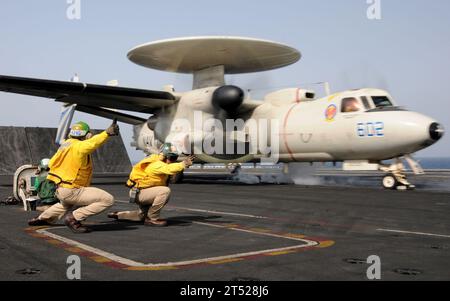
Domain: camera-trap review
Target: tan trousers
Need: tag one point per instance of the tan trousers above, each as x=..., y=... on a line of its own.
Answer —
x=151, y=201
x=89, y=200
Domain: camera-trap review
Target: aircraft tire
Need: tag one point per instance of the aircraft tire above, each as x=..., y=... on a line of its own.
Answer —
x=389, y=182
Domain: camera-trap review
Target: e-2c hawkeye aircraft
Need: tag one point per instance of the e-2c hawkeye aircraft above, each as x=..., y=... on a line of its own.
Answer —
x=361, y=128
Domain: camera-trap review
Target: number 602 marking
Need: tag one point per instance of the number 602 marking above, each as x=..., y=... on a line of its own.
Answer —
x=370, y=129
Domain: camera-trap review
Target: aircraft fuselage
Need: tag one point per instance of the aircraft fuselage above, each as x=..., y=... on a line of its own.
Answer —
x=363, y=124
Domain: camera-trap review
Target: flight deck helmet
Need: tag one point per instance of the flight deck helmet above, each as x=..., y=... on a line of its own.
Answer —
x=79, y=130
x=169, y=151
x=43, y=164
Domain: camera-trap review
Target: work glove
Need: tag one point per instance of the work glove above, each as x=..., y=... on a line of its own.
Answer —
x=113, y=129
x=189, y=161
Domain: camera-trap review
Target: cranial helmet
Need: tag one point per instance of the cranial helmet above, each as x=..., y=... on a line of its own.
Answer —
x=169, y=151
x=43, y=164
x=79, y=130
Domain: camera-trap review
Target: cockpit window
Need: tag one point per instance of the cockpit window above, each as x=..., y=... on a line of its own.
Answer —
x=350, y=105
x=381, y=101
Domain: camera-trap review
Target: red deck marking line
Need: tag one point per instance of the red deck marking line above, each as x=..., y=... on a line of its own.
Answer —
x=118, y=262
x=231, y=260
x=37, y=235
x=99, y=259
x=116, y=265
x=87, y=254
x=54, y=241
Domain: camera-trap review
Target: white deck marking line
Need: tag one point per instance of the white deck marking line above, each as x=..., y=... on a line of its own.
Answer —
x=84, y=247
x=219, y=212
x=415, y=233
x=208, y=211
x=132, y=263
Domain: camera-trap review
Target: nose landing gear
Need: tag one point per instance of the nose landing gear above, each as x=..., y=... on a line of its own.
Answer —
x=390, y=181
x=396, y=176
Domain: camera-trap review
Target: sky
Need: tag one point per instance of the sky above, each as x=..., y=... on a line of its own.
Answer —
x=406, y=52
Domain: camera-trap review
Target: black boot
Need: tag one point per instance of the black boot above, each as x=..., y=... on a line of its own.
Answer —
x=35, y=222
x=75, y=225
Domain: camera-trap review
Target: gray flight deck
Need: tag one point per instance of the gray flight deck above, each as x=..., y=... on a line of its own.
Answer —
x=232, y=231
x=223, y=229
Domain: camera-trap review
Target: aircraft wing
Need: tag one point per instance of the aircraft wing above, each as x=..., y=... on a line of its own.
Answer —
x=249, y=105
x=89, y=95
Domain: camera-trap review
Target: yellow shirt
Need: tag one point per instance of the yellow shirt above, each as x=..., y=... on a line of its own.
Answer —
x=73, y=162
x=152, y=172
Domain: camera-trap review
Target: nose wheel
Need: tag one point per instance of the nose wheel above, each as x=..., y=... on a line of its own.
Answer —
x=389, y=182
x=397, y=182
x=396, y=177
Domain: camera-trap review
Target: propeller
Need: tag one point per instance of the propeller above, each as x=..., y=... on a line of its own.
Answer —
x=228, y=98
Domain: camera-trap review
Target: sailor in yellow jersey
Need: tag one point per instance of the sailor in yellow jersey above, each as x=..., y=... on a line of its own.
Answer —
x=71, y=170
x=149, y=179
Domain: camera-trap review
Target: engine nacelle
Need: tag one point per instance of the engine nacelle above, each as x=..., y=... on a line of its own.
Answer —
x=290, y=95
x=145, y=139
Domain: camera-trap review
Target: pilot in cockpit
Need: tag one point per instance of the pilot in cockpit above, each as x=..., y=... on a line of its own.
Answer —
x=350, y=105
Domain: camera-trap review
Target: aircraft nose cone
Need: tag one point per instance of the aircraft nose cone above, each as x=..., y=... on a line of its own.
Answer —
x=436, y=131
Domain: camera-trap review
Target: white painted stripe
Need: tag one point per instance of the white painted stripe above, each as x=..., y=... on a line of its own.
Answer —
x=305, y=243
x=80, y=245
x=207, y=211
x=255, y=232
x=219, y=212
x=415, y=233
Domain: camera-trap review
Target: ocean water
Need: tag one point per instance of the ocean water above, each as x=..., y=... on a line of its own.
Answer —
x=434, y=163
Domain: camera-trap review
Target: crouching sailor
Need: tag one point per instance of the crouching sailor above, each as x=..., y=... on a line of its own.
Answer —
x=149, y=186
x=71, y=170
